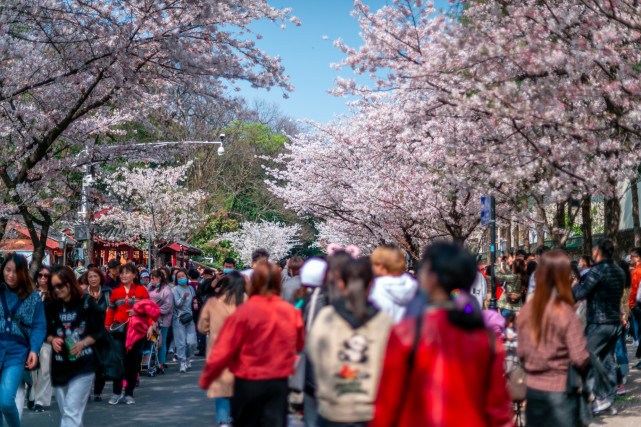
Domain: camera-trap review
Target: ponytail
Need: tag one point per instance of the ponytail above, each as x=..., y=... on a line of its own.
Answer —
x=357, y=275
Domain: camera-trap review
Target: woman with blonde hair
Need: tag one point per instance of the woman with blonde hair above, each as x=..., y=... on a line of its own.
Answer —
x=550, y=339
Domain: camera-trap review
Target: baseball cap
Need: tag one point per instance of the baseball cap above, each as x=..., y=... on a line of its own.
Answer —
x=312, y=273
x=208, y=271
x=144, y=274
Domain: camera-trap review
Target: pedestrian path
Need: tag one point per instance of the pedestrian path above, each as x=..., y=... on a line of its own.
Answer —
x=172, y=399
x=629, y=406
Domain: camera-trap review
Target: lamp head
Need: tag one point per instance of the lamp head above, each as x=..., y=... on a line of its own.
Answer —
x=221, y=150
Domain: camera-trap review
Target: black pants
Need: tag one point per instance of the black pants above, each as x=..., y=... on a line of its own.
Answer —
x=131, y=363
x=322, y=422
x=259, y=403
x=551, y=409
x=636, y=312
x=602, y=342
x=99, y=382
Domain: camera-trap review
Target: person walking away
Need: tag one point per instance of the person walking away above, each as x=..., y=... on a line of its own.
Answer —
x=258, y=343
x=258, y=256
x=313, y=277
x=117, y=319
x=101, y=295
x=444, y=368
x=20, y=343
x=603, y=289
x=393, y=288
x=550, y=339
x=39, y=395
x=160, y=293
x=346, y=346
x=183, y=320
x=74, y=325
x=291, y=282
x=633, y=300
x=212, y=319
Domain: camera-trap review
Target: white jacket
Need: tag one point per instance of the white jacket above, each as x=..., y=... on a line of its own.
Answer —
x=391, y=294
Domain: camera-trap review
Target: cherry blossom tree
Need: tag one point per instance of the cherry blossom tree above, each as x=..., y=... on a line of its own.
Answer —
x=377, y=177
x=73, y=72
x=551, y=87
x=152, y=203
x=277, y=238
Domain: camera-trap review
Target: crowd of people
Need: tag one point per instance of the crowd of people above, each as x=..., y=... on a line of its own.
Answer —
x=346, y=339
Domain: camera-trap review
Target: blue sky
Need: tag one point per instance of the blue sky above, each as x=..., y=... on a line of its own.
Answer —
x=307, y=57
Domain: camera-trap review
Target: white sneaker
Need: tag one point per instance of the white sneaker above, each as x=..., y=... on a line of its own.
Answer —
x=129, y=400
x=601, y=405
x=115, y=399
x=188, y=364
x=183, y=367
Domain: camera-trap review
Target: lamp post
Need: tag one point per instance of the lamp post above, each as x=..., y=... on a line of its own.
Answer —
x=64, y=249
x=492, y=304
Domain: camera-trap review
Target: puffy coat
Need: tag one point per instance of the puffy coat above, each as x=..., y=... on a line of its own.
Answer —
x=138, y=325
x=603, y=289
x=456, y=380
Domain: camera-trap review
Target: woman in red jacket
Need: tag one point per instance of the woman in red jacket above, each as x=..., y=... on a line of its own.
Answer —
x=444, y=368
x=258, y=343
x=119, y=311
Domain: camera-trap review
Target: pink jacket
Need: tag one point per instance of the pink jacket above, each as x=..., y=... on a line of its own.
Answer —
x=148, y=311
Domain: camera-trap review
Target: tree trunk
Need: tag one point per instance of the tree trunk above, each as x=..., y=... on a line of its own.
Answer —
x=540, y=229
x=39, y=242
x=558, y=227
x=3, y=226
x=508, y=236
x=517, y=237
x=612, y=216
x=635, y=212
x=586, y=227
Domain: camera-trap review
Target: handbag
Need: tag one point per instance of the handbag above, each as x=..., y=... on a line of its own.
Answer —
x=513, y=297
x=516, y=384
x=186, y=318
x=11, y=313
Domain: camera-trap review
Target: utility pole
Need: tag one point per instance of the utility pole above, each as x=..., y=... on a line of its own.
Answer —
x=149, y=249
x=492, y=305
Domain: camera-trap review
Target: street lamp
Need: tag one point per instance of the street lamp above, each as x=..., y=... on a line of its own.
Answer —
x=221, y=149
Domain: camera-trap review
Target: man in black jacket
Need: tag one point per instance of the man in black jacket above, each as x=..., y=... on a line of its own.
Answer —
x=603, y=288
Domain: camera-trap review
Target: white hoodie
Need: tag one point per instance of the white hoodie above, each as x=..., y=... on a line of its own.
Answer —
x=391, y=294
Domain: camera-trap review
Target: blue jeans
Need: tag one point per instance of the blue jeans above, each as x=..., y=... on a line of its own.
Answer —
x=162, y=351
x=10, y=378
x=223, y=410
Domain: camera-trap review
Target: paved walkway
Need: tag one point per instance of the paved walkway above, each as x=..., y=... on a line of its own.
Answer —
x=629, y=406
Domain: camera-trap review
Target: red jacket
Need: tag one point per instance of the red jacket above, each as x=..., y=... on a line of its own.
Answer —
x=636, y=279
x=258, y=341
x=121, y=302
x=455, y=381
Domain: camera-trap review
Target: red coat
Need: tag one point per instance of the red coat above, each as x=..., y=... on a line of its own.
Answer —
x=259, y=341
x=454, y=381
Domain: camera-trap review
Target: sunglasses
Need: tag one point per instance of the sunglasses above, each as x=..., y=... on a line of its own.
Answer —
x=60, y=286
x=44, y=275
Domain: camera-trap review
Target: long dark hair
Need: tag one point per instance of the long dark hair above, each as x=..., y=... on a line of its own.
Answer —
x=161, y=275
x=24, y=284
x=233, y=288
x=552, y=273
x=357, y=275
x=455, y=270
x=68, y=278
x=40, y=270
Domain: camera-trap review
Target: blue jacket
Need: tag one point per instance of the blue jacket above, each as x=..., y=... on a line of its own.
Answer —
x=30, y=314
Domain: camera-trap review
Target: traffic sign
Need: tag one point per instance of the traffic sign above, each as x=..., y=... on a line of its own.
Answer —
x=486, y=208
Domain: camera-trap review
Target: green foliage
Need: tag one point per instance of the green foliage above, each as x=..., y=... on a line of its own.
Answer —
x=203, y=238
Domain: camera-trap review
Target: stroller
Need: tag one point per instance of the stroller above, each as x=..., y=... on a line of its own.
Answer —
x=149, y=361
x=515, y=376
